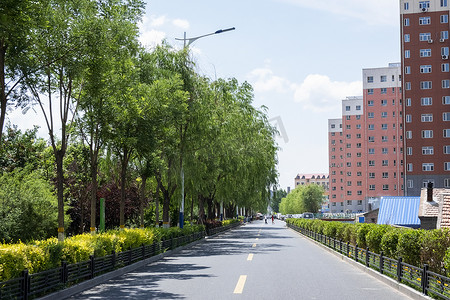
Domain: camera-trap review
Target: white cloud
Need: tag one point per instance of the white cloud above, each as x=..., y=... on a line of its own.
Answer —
x=319, y=93
x=372, y=12
x=316, y=93
x=183, y=24
x=152, y=38
x=158, y=21
x=264, y=81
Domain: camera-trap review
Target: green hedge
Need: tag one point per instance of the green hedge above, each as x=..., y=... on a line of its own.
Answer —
x=43, y=255
x=415, y=246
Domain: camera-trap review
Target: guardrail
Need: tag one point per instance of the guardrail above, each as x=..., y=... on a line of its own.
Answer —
x=421, y=279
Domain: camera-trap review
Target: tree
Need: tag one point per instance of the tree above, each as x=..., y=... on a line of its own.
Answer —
x=312, y=198
x=19, y=19
x=302, y=199
x=276, y=199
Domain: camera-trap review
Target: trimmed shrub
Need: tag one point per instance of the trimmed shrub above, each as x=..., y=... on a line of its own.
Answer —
x=434, y=246
x=374, y=237
x=361, y=234
x=389, y=242
x=409, y=246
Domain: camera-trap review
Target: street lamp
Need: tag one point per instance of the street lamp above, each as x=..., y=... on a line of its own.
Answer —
x=190, y=41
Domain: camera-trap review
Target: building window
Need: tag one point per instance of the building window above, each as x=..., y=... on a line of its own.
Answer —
x=385, y=175
x=444, y=52
x=349, y=202
x=425, y=85
x=384, y=114
x=445, y=83
x=384, y=126
x=444, y=19
x=358, y=145
x=408, y=86
x=383, y=90
x=424, y=4
x=358, y=135
x=358, y=107
x=372, y=187
x=427, y=134
x=425, y=52
x=427, y=117
x=424, y=20
x=371, y=127
x=370, y=115
x=383, y=78
x=407, y=53
x=383, y=102
x=447, y=182
x=409, y=134
x=385, y=187
x=370, y=103
x=428, y=150
x=359, y=174
x=408, y=101
x=428, y=167
x=371, y=150
x=446, y=100
x=347, y=108
x=371, y=163
x=384, y=138
x=371, y=139
x=408, y=118
x=445, y=67
x=370, y=79
x=444, y=35
x=409, y=167
x=446, y=133
x=385, y=163
x=443, y=3
x=446, y=166
x=424, y=36
x=370, y=91
x=425, y=69
x=406, y=21
x=446, y=116
x=409, y=184
x=384, y=151
x=426, y=101
x=407, y=70
x=358, y=126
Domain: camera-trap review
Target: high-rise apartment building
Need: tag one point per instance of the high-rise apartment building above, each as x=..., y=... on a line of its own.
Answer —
x=365, y=145
x=383, y=130
x=426, y=93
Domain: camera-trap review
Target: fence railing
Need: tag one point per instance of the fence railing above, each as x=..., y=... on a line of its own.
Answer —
x=30, y=286
x=421, y=279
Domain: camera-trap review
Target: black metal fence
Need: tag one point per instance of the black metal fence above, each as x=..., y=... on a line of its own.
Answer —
x=30, y=286
x=421, y=279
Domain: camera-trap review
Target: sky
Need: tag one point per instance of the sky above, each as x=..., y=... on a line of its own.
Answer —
x=302, y=57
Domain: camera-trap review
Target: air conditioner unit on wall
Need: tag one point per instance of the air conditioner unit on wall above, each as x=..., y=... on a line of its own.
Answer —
x=442, y=40
x=430, y=41
x=424, y=9
x=444, y=56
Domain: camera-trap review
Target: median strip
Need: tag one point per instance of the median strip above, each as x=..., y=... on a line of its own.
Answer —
x=240, y=284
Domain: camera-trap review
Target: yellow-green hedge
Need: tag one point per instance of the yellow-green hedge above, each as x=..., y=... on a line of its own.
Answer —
x=48, y=254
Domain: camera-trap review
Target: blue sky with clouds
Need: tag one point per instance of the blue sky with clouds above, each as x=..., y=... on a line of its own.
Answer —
x=301, y=56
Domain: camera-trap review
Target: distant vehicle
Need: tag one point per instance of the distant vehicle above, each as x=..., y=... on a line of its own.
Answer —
x=308, y=215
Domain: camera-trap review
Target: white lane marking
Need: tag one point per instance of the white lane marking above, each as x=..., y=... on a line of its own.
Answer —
x=250, y=256
x=254, y=246
x=240, y=284
x=257, y=238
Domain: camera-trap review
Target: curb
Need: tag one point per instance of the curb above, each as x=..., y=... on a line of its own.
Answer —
x=404, y=289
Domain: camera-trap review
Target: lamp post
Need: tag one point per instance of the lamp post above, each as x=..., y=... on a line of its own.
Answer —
x=187, y=42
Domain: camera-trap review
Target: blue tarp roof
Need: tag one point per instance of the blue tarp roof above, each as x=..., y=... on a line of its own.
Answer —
x=402, y=211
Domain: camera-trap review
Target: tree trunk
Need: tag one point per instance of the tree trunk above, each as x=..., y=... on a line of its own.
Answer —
x=142, y=199
x=157, y=206
x=94, y=167
x=123, y=175
x=2, y=88
x=192, y=209
x=59, y=156
x=201, y=209
x=209, y=201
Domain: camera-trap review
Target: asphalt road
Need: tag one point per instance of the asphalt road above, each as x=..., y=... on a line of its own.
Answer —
x=255, y=261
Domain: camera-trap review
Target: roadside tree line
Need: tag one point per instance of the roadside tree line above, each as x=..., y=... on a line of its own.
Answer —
x=125, y=123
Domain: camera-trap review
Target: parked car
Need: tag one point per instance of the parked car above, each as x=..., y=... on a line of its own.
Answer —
x=308, y=215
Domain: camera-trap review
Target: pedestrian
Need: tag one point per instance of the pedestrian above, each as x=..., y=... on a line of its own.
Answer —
x=265, y=219
x=272, y=220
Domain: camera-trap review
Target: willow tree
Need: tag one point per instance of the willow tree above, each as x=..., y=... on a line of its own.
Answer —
x=111, y=40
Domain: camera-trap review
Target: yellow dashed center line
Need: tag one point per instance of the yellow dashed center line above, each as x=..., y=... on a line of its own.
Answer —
x=250, y=256
x=240, y=284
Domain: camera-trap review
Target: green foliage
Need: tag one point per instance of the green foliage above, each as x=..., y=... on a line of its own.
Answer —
x=27, y=207
x=409, y=246
x=434, y=246
x=302, y=199
x=389, y=242
x=375, y=236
